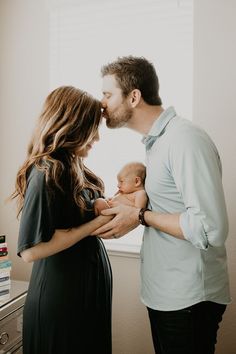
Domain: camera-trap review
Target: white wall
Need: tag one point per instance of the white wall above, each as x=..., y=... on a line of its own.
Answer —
x=24, y=85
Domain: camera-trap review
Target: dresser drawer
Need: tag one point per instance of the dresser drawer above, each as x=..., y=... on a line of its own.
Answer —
x=11, y=330
x=17, y=349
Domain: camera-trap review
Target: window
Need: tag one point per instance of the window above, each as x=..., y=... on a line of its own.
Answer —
x=85, y=34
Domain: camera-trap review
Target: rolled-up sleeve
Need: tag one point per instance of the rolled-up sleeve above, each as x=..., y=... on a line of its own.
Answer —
x=197, y=173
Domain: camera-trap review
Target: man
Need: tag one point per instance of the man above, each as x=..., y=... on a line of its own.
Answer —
x=183, y=257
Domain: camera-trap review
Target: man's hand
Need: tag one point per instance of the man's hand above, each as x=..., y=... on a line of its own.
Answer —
x=125, y=220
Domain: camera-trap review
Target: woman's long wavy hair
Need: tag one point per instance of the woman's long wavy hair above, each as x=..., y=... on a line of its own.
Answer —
x=69, y=120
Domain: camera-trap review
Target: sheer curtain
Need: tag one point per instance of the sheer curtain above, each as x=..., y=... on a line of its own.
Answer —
x=85, y=34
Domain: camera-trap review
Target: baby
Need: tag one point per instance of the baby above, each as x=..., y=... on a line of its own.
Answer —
x=131, y=191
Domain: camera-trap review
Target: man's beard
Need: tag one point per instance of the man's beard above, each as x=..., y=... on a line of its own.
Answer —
x=119, y=118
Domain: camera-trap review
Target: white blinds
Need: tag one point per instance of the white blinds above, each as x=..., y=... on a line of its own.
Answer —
x=85, y=34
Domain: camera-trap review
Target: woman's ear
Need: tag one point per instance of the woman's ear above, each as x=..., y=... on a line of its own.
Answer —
x=135, y=97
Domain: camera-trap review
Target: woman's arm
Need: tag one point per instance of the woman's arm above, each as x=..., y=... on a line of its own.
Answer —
x=63, y=239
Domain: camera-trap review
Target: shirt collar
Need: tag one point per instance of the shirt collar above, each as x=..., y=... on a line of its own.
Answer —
x=158, y=127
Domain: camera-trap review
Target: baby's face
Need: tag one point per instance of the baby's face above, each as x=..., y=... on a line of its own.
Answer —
x=126, y=182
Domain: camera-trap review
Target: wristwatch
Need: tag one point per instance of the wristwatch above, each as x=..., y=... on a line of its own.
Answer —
x=141, y=216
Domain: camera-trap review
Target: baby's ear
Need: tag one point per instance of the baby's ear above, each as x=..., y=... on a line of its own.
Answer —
x=138, y=181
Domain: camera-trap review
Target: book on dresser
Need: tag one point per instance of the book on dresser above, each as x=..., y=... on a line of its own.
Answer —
x=5, y=278
x=5, y=269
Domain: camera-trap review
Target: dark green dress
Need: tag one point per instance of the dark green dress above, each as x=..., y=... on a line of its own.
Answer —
x=68, y=305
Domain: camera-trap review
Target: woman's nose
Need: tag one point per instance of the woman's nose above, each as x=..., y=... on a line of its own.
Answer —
x=103, y=102
x=96, y=137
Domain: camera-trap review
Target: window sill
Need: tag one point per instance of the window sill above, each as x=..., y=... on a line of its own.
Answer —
x=119, y=249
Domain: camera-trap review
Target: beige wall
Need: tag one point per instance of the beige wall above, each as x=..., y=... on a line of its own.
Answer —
x=131, y=330
x=215, y=110
x=24, y=79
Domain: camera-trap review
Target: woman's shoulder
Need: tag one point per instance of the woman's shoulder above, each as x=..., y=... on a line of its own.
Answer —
x=36, y=175
x=36, y=179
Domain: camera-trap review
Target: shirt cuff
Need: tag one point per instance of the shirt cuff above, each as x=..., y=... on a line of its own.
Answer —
x=193, y=230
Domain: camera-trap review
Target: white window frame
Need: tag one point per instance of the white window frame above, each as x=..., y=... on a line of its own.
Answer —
x=85, y=34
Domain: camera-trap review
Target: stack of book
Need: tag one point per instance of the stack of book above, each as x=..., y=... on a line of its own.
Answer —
x=5, y=270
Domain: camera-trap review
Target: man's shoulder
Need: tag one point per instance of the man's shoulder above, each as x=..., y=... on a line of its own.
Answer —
x=184, y=131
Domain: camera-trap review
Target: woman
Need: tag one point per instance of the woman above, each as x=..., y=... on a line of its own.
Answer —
x=68, y=305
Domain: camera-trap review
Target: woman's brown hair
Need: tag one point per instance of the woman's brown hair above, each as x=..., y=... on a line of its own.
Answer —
x=70, y=118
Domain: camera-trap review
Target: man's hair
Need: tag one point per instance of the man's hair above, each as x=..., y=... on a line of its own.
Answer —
x=135, y=73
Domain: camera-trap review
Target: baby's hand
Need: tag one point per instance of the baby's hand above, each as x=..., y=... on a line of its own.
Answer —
x=99, y=205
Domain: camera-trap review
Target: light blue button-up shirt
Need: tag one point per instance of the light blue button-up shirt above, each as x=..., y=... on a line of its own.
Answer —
x=184, y=176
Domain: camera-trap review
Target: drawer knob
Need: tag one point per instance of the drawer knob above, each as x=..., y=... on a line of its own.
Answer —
x=4, y=338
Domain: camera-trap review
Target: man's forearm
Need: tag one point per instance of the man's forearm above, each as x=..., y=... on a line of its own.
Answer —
x=168, y=223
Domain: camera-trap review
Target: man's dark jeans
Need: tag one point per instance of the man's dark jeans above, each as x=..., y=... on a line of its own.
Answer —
x=192, y=330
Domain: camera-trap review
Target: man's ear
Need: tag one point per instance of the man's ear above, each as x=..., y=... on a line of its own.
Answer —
x=135, y=97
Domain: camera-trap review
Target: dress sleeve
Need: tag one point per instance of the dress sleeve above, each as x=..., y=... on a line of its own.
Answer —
x=36, y=224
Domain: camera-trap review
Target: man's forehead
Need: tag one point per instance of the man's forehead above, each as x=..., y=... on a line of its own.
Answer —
x=110, y=82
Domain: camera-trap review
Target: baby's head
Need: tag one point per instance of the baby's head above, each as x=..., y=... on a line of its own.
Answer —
x=131, y=177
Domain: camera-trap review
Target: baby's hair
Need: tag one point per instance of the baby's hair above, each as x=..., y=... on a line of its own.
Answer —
x=138, y=168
